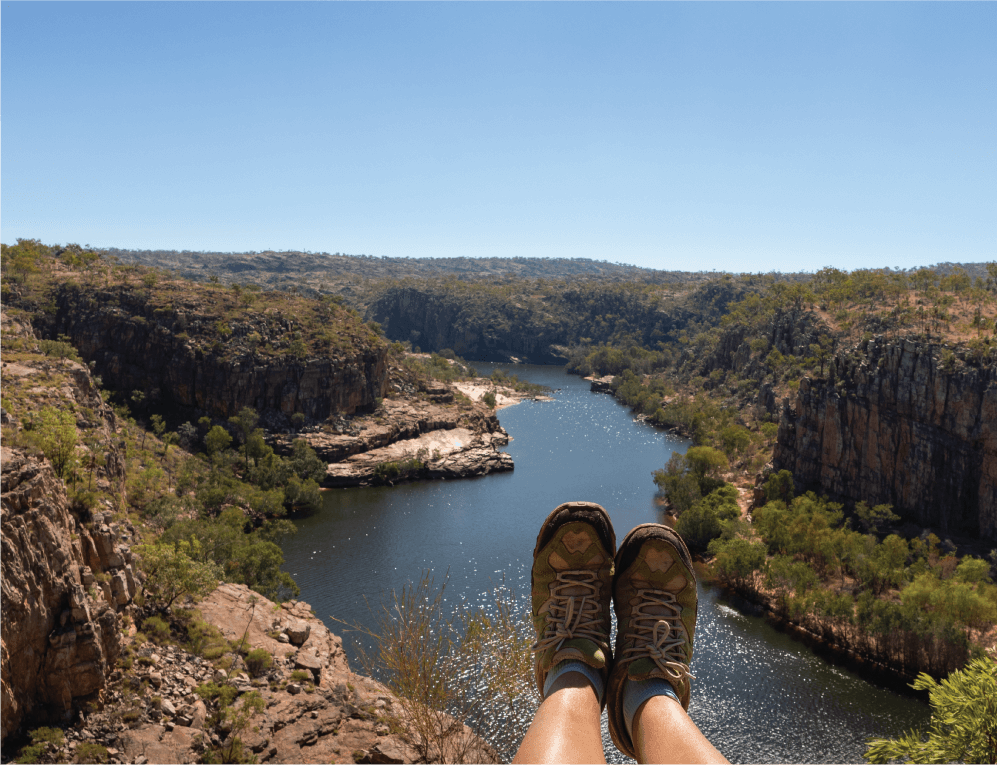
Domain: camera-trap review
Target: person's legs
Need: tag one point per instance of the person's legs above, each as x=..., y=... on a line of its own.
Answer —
x=566, y=727
x=571, y=592
x=655, y=599
x=664, y=732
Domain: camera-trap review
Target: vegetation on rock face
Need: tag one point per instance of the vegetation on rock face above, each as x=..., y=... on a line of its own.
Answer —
x=174, y=570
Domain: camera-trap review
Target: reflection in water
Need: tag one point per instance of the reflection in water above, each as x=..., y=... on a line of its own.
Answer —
x=759, y=696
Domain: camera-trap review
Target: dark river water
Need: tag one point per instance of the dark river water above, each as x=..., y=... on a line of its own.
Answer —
x=759, y=695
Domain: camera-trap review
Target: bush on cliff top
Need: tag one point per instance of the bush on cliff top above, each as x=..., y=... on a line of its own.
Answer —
x=963, y=721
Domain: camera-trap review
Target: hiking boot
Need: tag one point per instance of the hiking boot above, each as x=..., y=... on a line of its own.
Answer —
x=654, y=595
x=571, y=586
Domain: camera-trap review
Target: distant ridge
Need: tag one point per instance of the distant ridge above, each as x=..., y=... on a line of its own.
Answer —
x=309, y=269
x=310, y=264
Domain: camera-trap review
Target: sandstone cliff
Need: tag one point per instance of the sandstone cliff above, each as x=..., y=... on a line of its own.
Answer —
x=536, y=323
x=189, y=354
x=60, y=633
x=316, y=710
x=66, y=568
x=906, y=423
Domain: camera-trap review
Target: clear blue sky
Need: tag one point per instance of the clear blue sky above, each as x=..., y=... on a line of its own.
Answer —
x=740, y=137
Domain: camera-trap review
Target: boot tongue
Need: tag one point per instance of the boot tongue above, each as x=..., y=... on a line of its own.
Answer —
x=576, y=591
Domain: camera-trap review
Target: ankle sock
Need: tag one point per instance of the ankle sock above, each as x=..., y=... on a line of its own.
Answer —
x=573, y=665
x=636, y=692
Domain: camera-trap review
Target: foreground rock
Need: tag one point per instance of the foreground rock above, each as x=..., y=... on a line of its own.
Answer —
x=315, y=710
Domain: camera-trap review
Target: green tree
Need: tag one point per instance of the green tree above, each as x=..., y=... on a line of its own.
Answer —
x=963, y=724
x=55, y=435
x=779, y=486
x=678, y=483
x=174, y=570
x=245, y=423
x=736, y=560
x=240, y=553
x=874, y=519
x=217, y=440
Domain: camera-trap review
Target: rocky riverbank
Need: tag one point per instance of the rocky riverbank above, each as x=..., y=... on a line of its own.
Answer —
x=169, y=706
x=413, y=437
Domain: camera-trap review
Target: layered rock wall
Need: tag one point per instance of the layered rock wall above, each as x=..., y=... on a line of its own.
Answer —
x=904, y=423
x=62, y=582
x=136, y=348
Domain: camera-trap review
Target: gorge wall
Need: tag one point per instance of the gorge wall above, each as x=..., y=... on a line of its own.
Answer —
x=906, y=423
x=67, y=571
x=538, y=322
x=136, y=347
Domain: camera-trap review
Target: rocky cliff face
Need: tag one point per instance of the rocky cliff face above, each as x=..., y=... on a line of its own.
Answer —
x=137, y=347
x=905, y=423
x=434, y=321
x=66, y=570
x=60, y=633
x=316, y=709
x=536, y=323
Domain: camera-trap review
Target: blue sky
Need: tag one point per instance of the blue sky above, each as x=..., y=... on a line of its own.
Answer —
x=738, y=137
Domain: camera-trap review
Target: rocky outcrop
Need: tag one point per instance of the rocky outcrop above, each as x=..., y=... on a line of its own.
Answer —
x=315, y=709
x=60, y=629
x=409, y=439
x=906, y=423
x=448, y=454
x=601, y=384
x=136, y=347
x=399, y=419
x=790, y=331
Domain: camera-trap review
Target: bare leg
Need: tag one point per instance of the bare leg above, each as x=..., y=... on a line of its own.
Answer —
x=664, y=732
x=566, y=727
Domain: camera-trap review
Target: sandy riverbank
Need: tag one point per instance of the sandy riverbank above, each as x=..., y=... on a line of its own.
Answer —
x=475, y=389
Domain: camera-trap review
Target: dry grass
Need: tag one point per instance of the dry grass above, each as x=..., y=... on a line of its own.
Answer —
x=456, y=669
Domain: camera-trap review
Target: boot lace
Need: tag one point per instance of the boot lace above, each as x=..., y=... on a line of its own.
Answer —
x=659, y=636
x=575, y=615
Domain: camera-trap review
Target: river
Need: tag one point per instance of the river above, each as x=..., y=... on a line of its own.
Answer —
x=759, y=695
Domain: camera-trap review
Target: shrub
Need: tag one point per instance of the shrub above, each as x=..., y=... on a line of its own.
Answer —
x=258, y=661
x=87, y=751
x=223, y=692
x=963, y=722
x=157, y=628
x=41, y=740
x=60, y=349
x=447, y=666
x=489, y=400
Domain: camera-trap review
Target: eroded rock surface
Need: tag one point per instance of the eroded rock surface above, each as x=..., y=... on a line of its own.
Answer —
x=136, y=347
x=60, y=629
x=902, y=423
x=337, y=716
